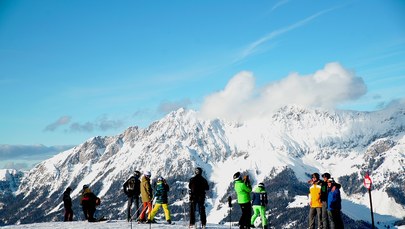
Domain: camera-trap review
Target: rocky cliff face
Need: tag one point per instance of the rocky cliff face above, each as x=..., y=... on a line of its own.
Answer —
x=294, y=139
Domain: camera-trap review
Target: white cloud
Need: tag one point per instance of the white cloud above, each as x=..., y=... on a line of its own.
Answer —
x=257, y=45
x=60, y=122
x=240, y=99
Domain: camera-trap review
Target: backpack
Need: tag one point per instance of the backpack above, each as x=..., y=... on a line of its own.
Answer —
x=263, y=199
x=131, y=184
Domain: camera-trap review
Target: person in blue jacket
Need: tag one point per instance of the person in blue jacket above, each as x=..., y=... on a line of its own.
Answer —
x=259, y=202
x=334, y=205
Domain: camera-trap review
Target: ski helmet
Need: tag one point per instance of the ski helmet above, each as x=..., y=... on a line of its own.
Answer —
x=236, y=176
x=198, y=171
x=85, y=186
x=147, y=173
x=160, y=179
x=261, y=185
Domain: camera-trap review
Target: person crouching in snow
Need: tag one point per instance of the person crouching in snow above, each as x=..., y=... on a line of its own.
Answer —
x=89, y=202
x=259, y=202
x=162, y=188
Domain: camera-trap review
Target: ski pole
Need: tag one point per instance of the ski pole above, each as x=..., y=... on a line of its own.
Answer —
x=132, y=217
x=230, y=211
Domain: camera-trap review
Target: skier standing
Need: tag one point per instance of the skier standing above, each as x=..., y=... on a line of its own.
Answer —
x=243, y=190
x=162, y=188
x=146, y=194
x=259, y=202
x=315, y=202
x=132, y=190
x=67, y=204
x=334, y=205
x=198, y=185
x=324, y=200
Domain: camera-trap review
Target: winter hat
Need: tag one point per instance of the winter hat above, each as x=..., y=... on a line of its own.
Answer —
x=236, y=176
x=160, y=179
x=327, y=175
x=85, y=186
x=147, y=173
x=261, y=185
x=198, y=171
x=331, y=180
x=68, y=189
x=137, y=173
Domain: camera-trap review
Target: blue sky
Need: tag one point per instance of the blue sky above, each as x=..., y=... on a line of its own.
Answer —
x=71, y=70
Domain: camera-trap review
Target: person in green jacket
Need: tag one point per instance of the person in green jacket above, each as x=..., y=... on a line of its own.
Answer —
x=259, y=202
x=243, y=190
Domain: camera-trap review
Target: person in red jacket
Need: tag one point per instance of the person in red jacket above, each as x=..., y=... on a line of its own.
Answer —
x=89, y=202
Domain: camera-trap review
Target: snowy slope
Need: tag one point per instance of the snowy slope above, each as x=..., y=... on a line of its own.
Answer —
x=114, y=224
x=344, y=143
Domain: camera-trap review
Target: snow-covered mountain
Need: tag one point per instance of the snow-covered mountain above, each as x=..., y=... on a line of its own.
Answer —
x=281, y=150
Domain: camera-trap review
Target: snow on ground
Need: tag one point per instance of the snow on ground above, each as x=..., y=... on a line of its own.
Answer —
x=118, y=224
x=299, y=202
x=115, y=224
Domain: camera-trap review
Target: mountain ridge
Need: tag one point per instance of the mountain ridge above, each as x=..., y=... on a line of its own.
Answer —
x=305, y=140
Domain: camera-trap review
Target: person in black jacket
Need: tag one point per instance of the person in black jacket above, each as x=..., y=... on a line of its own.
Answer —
x=324, y=200
x=67, y=204
x=132, y=190
x=89, y=202
x=198, y=185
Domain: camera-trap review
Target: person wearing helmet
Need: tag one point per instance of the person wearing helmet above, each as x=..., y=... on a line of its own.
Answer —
x=198, y=185
x=132, y=190
x=259, y=202
x=243, y=189
x=146, y=194
x=162, y=188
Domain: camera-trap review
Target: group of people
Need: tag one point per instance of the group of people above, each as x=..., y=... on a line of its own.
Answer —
x=139, y=185
x=88, y=201
x=325, y=202
x=250, y=199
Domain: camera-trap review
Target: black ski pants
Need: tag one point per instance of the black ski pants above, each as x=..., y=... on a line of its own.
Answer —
x=244, y=221
x=198, y=202
x=68, y=214
x=132, y=199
